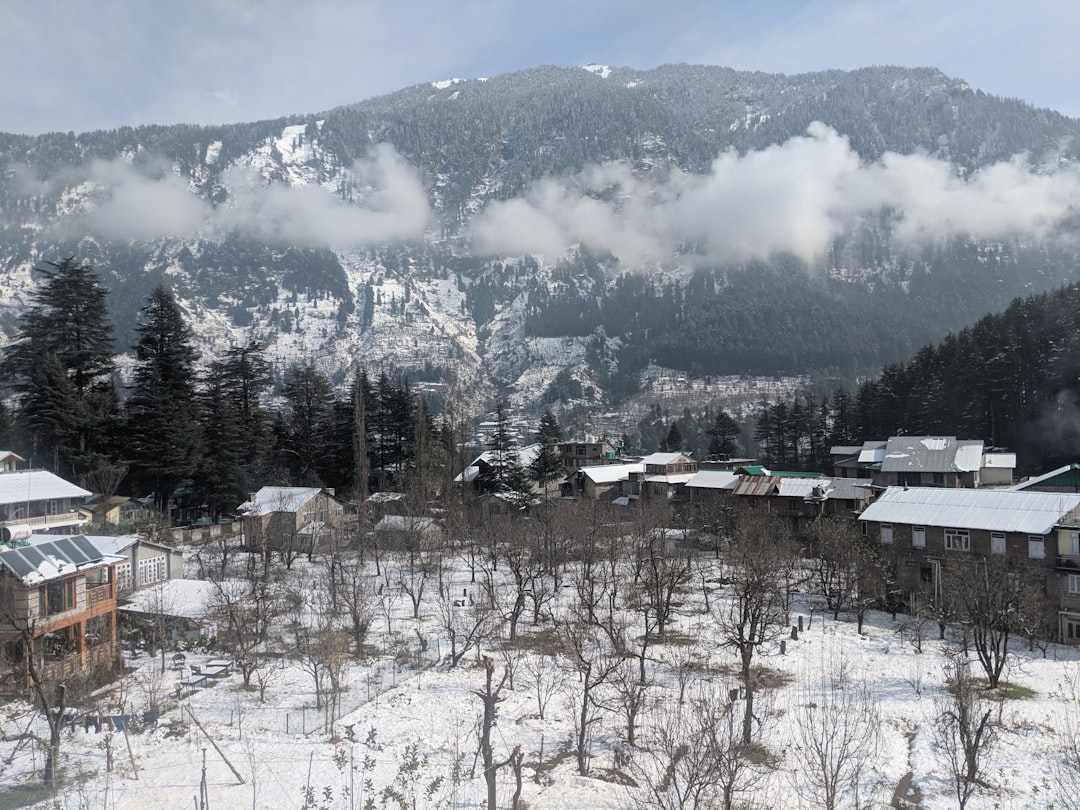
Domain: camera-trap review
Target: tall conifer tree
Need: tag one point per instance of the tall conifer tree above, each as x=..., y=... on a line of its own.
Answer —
x=163, y=425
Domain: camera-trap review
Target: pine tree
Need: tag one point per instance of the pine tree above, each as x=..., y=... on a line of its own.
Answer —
x=163, y=426
x=60, y=366
x=724, y=433
x=673, y=443
x=547, y=466
x=306, y=425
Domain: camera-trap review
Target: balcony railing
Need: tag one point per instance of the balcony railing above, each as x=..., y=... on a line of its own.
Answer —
x=96, y=594
x=1068, y=561
x=47, y=521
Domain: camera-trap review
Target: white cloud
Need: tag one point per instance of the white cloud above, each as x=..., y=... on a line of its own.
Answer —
x=149, y=200
x=788, y=198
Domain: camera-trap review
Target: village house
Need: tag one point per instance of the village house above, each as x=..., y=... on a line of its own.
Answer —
x=926, y=526
x=926, y=461
x=1063, y=479
x=116, y=510
x=665, y=476
x=587, y=453
x=38, y=501
x=294, y=519
x=58, y=605
x=486, y=469
x=141, y=562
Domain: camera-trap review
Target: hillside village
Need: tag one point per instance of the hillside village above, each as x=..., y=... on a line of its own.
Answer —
x=933, y=530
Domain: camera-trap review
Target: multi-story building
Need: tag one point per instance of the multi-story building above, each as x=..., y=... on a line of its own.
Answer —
x=57, y=609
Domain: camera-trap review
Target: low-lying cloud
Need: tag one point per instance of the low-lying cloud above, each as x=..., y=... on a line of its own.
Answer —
x=119, y=200
x=791, y=198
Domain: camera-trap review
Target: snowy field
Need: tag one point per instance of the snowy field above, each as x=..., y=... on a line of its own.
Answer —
x=408, y=730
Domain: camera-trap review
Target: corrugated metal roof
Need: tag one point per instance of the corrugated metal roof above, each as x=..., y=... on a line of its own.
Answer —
x=931, y=454
x=663, y=458
x=36, y=485
x=757, y=485
x=991, y=510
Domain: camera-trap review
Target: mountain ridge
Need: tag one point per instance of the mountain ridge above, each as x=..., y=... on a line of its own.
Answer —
x=353, y=234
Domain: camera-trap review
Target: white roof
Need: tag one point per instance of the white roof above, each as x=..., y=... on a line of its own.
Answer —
x=872, y=452
x=678, y=478
x=800, y=487
x=278, y=499
x=36, y=485
x=1000, y=461
x=610, y=473
x=713, y=479
x=663, y=458
x=187, y=598
x=986, y=509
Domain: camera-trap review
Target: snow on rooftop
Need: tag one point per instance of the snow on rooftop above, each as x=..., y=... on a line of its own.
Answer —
x=984, y=509
x=36, y=485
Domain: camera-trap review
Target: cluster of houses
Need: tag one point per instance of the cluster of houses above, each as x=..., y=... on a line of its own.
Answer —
x=928, y=498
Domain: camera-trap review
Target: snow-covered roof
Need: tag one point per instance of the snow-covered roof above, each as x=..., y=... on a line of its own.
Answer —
x=526, y=456
x=986, y=509
x=678, y=478
x=21, y=486
x=932, y=454
x=385, y=497
x=664, y=458
x=185, y=598
x=1000, y=461
x=57, y=557
x=872, y=452
x=713, y=479
x=610, y=473
x=278, y=499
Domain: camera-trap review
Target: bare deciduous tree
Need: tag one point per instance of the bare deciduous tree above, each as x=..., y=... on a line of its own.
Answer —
x=964, y=728
x=836, y=739
x=759, y=562
x=693, y=756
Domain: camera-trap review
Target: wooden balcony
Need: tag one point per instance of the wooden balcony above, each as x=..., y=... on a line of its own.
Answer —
x=96, y=594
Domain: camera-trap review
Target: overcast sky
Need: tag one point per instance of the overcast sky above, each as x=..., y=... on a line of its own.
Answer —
x=77, y=65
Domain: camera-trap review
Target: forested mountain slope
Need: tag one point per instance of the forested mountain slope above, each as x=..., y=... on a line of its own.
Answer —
x=594, y=220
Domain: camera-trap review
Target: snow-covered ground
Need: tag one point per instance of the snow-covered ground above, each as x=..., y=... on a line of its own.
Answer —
x=412, y=728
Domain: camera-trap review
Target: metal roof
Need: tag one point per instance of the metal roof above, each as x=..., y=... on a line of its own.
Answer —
x=610, y=473
x=23, y=486
x=52, y=559
x=987, y=509
x=872, y=452
x=757, y=485
x=931, y=454
x=713, y=479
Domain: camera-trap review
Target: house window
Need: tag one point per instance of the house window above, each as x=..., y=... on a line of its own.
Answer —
x=1074, y=544
x=1074, y=584
x=918, y=536
x=57, y=596
x=957, y=540
x=1070, y=627
x=123, y=576
x=886, y=532
x=152, y=570
x=997, y=542
x=939, y=479
x=53, y=507
x=1036, y=547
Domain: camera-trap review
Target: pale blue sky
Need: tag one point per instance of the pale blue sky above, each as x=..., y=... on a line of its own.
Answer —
x=77, y=65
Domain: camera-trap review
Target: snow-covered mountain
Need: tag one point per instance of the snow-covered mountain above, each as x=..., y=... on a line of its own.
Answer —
x=550, y=234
